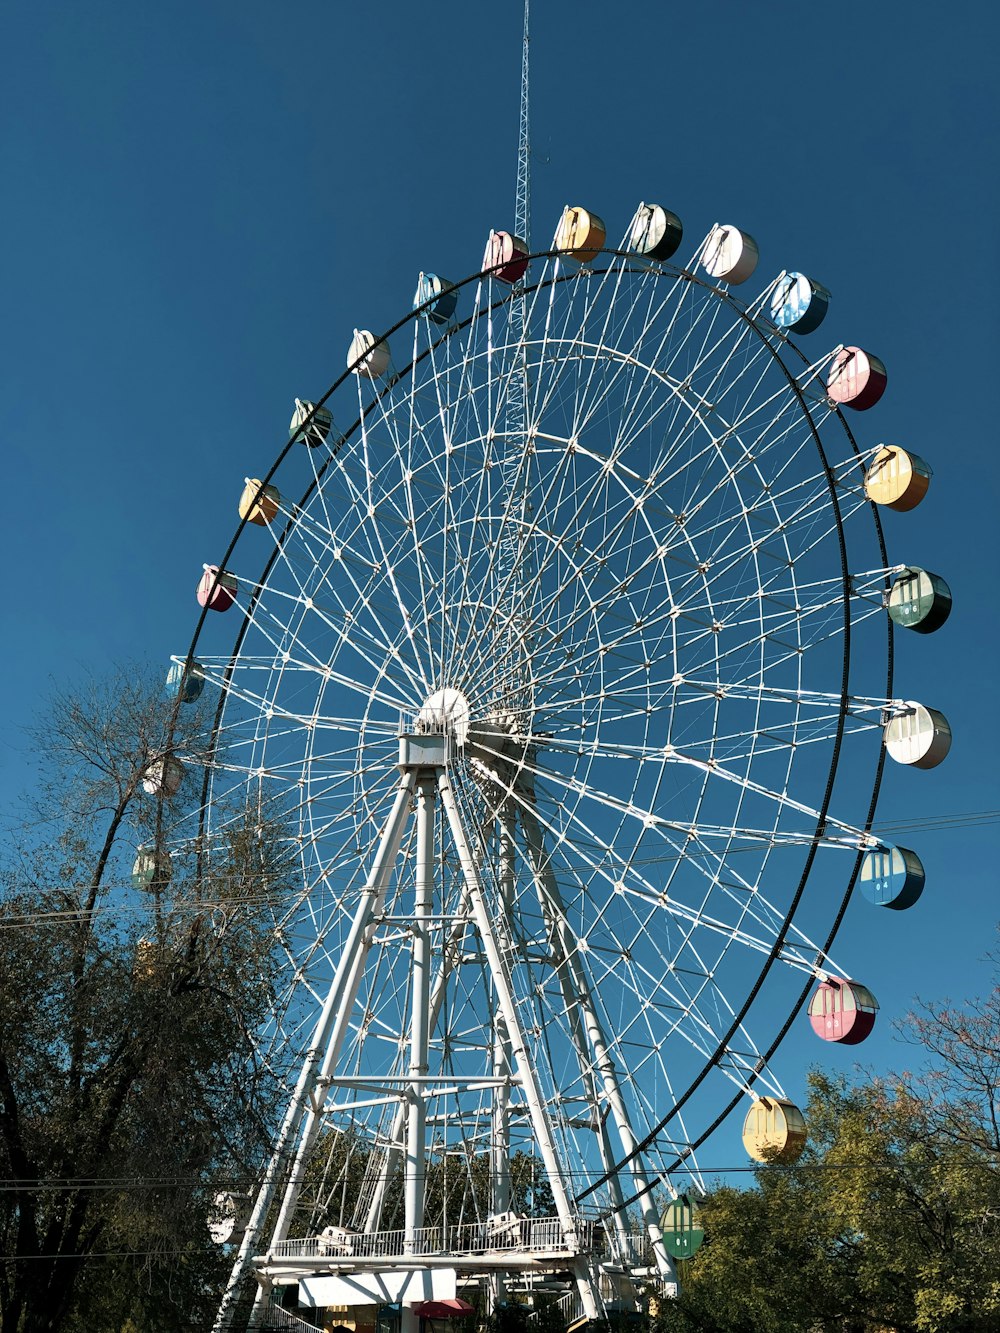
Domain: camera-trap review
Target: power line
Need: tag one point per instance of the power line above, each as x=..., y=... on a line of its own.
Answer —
x=10, y=1185
x=286, y=898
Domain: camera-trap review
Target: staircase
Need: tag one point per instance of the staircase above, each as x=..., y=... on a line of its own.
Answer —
x=277, y=1320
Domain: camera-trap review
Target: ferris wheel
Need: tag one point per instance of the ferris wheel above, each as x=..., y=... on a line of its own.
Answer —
x=564, y=662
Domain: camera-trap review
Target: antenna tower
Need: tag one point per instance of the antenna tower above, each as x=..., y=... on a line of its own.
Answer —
x=511, y=562
x=522, y=202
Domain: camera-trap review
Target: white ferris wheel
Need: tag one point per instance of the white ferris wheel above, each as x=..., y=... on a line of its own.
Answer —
x=565, y=668
x=566, y=662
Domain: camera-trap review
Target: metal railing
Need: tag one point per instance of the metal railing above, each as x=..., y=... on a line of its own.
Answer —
x=537, y=1235
x=570, y=1303
x=274, y=1317
x=570, y=1306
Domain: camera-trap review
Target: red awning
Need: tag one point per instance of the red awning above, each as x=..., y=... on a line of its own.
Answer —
x=443, y=1309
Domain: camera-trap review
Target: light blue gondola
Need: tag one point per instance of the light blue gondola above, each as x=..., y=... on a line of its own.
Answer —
x=440, y=293
x=799, y=304
x=185, y=682
x=892, y=877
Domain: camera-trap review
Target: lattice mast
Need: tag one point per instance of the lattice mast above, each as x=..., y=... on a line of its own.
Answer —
x=513, y=574
x=522, y=202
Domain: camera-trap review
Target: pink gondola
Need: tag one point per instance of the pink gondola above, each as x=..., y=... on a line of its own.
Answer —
x=842, y=1011
x=217, y=589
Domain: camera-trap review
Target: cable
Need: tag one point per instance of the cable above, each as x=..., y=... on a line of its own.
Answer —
x=923, y=824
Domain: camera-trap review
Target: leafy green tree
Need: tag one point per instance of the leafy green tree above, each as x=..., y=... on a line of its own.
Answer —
x=127, y=1091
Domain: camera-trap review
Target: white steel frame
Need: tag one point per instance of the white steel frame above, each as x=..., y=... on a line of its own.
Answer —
x=649, y=603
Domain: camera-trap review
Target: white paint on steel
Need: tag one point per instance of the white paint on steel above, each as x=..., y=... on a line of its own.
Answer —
x=318, y=1061
x=520, y=1050
x=416, y=1128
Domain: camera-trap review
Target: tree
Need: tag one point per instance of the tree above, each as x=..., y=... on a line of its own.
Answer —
x=127, y=1090
x=891, y=1218
x=962, y=1085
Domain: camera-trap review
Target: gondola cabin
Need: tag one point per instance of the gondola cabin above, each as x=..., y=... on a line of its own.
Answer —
x=897, y=479
x=580, y=234
x=842, y=1011
x=217, y=589
x=681, y=1229
x=185, y=682
x=918, y=736
x=435, y=298
x=856, y=379
x=163, y=776
x=729, y=254
x=892, y=877
x=774, y=1130
x=259, y=503
x=506, y=256
x=151, y=870
x=367, y=355
x=315, y=433
x=656, y=232
x=799, y=304
x=919, y=600
x=228, y=1217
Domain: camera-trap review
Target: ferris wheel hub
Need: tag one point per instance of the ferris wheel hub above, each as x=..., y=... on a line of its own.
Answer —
x=445, y=712
x=497, y=745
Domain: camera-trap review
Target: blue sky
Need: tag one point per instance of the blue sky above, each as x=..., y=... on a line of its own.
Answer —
x=202, y=202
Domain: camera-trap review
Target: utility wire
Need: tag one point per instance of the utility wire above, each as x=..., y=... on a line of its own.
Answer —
x=284, y=898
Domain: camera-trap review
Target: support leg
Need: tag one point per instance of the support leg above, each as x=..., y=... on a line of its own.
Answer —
x=519, y=1049
x=568, y=953
x=301, y=1119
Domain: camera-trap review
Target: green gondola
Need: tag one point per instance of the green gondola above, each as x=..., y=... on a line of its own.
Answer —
x=681, y=1228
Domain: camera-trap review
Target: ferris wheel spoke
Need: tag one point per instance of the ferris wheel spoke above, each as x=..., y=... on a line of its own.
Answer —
x=649, y=992
x=672, y=756
x=589, y=293
x=706, y=494
x=737, y=933
x=357, y=626
x=624, y=363
x=458, y=558
x=593, y=1050
x=287, y=776
x=595, y=391
x=706, y=416
x=275, y=634
x=574, y=574
x=684, y=849
x=658, y=902
x=343, y=542
x=779, y=629
x=383, y=508
x=772, y=527
x=474, y=487
x=502, y=588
